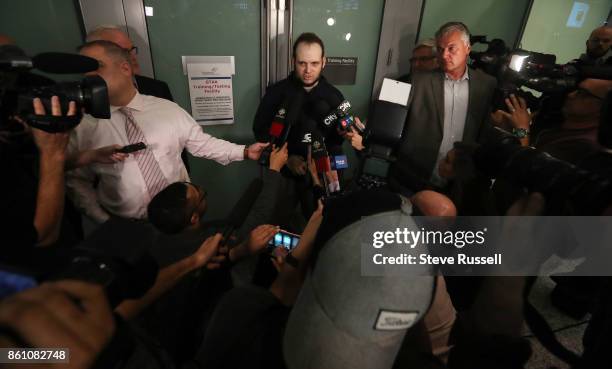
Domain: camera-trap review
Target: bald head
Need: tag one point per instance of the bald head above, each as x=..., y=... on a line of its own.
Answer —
x=433, y=203
x=117, y=36
x=599, y=42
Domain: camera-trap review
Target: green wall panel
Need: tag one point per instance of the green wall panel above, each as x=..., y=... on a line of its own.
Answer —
x=209, y=27
x=547, y=30
x=494, y=18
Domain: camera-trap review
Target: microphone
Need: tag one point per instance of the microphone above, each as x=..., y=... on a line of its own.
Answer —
x=338, y=115
x=64, y=63
x=242, y=208
x=283, y=120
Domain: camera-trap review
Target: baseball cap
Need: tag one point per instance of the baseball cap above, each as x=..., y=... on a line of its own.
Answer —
x=343, y=319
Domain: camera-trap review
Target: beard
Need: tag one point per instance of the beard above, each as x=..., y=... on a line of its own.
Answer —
x=304, y=84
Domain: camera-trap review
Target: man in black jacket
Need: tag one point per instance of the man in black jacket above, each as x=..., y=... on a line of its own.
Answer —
x=320, y=97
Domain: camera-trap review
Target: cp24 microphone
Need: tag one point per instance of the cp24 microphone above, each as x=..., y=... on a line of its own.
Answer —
x=336, y=112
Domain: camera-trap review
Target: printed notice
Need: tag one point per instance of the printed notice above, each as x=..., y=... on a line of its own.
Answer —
x=212, y=99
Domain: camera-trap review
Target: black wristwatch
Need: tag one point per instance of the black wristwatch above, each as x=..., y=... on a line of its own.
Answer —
x=520, y=132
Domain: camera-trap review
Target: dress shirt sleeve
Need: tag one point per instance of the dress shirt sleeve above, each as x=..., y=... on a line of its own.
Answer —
x=206, y=146
x=80, y=187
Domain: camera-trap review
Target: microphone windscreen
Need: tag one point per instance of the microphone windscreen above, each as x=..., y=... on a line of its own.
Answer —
x=323, y=164
x=276, y=129
x=243, y=207
x=64, y=63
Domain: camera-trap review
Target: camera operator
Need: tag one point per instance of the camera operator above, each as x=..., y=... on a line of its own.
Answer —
x=36, y=197
x=598, y=46
x=576, y=137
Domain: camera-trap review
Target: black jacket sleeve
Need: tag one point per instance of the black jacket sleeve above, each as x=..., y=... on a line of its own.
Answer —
x=265, y=113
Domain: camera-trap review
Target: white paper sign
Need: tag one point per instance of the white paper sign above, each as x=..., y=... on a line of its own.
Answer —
x=221, y=65
x=212, y=100
x=395, y=91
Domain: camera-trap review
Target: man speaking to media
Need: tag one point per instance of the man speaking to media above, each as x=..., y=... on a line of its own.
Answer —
x=306, y=90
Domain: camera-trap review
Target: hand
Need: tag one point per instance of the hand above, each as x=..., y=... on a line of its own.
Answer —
x=70, y=314
x=278, y=258
x=355, y=139
x=258, y=240
x=519, y=116
x=361, y=126
x=207, y=250
x=52, y=144
x=318, y=213
x=254, y=151
x=216, y=262
x=108, y=155
x=278, y=157
x=103, y=155
x=446, y=169
x=312, y=168
x=297, y=165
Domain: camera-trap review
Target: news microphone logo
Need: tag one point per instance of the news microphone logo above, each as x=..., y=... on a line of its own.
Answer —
x=331, y=118
x=339, y=162
x=344, y=108
x=281, y=114
x=346, y=122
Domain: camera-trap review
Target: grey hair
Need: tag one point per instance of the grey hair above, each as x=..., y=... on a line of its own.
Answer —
x=96, y=33
x=454, y=27
x=110, y=48
x=428, y=42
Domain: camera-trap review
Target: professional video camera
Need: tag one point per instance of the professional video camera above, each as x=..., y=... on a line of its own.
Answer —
x=517, y=68
x=18, y=86
x=568, y=189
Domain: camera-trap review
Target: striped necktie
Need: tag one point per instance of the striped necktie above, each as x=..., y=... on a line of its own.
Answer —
x=149, y=167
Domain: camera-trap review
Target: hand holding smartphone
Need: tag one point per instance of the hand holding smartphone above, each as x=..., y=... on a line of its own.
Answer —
x=132, y=148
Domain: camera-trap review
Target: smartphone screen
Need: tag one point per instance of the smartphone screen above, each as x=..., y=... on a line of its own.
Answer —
x=284, y=239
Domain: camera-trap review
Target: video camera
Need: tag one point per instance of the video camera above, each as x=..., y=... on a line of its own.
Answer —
x=517, y=68
x=18, y=86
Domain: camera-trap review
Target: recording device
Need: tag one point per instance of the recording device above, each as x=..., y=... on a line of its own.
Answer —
x=241, y=209
x=132, y=148
x=18, y=86
x=569, y=190
x=517, y=68
x=338, y=116
x=284, y=119
x=382, y=135
x=284, y=239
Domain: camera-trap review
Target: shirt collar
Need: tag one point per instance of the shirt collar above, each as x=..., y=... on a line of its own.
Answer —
x=465, y=76
x=135, y=104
